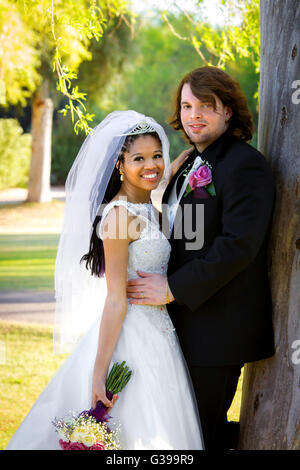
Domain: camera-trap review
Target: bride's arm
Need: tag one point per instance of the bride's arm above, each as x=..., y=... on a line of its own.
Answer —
x=116, y=257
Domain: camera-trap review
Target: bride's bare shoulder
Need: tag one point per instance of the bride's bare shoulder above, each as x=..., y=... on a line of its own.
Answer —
x=117, y=223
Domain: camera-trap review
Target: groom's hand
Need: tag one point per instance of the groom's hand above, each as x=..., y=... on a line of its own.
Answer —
x=148, y=289
x=177, y=163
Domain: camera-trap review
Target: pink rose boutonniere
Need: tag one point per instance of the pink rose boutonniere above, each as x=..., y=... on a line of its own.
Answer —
x=201, y=178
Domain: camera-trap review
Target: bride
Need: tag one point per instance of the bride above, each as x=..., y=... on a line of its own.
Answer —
x=110, y=231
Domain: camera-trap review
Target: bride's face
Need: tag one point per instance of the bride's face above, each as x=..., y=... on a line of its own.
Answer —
x=143, y=165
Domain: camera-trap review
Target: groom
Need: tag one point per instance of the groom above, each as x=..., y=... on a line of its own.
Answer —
x=217, y=291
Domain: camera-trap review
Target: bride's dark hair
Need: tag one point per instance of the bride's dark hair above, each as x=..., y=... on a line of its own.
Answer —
x=94, y=259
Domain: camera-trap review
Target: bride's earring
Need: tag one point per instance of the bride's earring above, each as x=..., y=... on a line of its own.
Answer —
x=121, y=175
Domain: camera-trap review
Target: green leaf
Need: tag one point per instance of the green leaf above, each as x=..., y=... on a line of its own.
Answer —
x=188, y=190
x=210, y=188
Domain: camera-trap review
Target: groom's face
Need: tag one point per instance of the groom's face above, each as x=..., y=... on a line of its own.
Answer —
x=202, y=122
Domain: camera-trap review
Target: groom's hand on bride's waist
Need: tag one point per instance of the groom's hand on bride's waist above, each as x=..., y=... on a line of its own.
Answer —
x=149, y=289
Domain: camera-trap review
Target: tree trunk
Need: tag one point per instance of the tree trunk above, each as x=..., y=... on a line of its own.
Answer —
x=40, y=165
x=270, y=411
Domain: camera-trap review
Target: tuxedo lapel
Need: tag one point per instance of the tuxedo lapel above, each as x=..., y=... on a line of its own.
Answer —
x=168, y=189
x=216, y=150
x=165, y=225
x=210, y=155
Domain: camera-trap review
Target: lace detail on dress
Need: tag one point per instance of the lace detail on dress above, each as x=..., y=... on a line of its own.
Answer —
x=149, y=253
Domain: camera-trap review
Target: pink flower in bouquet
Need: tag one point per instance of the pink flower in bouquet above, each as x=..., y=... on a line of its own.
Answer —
x=67, y=445
x=97, y=446
x=201, y=177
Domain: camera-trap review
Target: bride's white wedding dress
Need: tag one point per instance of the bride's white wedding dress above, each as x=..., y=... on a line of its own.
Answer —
x=157, y=408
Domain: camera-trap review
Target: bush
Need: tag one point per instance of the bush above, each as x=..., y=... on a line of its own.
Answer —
x=15, y=153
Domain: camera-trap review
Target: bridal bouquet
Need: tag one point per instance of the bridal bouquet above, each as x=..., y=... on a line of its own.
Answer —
x=89, y=430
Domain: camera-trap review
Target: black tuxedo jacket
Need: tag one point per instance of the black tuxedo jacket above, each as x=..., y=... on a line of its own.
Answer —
x=222, y=310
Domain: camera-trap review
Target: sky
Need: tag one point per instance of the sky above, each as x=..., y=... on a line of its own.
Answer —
x=210, y=8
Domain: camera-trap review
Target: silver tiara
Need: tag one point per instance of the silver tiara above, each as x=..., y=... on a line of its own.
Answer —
x=141, y=128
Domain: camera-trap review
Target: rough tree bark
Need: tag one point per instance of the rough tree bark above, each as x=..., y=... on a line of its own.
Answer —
x=41, y=128
x=270, y=411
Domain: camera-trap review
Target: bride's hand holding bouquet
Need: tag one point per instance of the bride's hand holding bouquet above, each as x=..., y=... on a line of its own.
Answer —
x=89, y=429
x=100, y=393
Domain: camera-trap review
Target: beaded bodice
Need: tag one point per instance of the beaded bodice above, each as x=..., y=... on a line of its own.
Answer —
x=149, y=253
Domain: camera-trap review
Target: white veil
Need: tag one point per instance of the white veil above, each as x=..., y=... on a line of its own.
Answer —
x=80, y=296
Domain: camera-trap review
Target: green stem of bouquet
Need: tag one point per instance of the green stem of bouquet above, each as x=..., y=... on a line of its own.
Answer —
x=118, y=378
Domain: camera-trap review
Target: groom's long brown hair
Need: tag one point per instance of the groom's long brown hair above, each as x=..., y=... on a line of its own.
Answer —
x=208, y=81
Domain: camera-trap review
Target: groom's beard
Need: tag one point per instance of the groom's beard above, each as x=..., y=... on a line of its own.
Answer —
x=201, y=140
x=204, y=140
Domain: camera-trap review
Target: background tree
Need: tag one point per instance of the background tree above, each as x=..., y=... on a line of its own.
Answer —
x=101, y=77
x=19, y=59
x=139, y=73
x=270, y=413
x=160, y=60
x=61, y=33
x=233, y=48
x=114, y=75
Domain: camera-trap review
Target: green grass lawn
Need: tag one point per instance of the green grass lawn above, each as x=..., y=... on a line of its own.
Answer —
x=27, y=363
x=27, y=261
